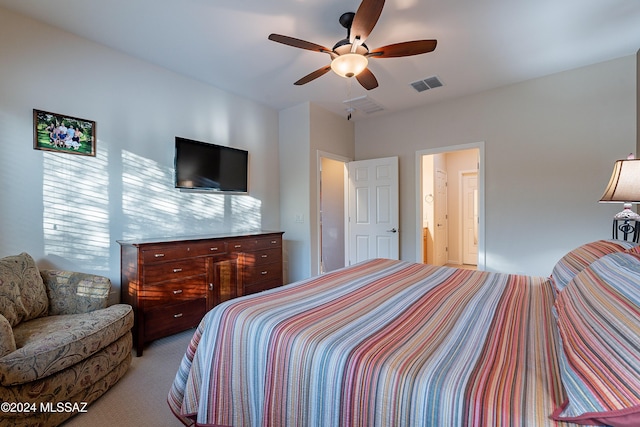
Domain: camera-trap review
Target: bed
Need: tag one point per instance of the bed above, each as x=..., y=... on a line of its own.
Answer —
x=394, y=343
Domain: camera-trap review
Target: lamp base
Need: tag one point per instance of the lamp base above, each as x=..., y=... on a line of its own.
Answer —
x=627, y=214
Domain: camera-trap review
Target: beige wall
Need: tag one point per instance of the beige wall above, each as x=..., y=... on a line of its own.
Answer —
x=67, y=211
x=304, y=130
x=294, y=149
x=550, y=144
x=333, y=134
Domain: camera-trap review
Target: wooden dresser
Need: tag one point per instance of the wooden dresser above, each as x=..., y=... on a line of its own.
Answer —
x=171, y=283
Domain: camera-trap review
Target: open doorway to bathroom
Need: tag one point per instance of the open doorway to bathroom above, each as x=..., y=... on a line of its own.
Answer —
x=450, y=205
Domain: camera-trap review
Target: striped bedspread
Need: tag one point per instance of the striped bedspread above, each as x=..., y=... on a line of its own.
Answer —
x=380, y=343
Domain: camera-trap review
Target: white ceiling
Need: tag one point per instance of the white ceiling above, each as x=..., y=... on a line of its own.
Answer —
x=482, y=44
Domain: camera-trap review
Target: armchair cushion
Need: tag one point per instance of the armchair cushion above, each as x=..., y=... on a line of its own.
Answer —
x=22, y=293
x=74, y=293
x=53, y=343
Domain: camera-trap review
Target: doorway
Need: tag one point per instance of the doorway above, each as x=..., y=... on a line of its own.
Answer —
x=450, y=206
x=332, y=172
x=469, y=216
x=366, y=191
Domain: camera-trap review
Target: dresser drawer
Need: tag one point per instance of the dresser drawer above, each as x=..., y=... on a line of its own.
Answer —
x=163, y=321
x=185, y=250
x=269, y=242
x=174, y=270
x=162, y=254
x=174, y=291
x=262, y=273
x=264, y=256
x=212, y=247
x=242, y=245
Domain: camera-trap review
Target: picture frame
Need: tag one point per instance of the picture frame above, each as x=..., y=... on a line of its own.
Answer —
x=63, y=134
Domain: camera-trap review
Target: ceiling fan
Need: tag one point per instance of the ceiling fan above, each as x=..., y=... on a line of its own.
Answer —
x=350, y=56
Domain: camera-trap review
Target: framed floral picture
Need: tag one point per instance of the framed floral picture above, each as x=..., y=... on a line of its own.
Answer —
x=64, y=134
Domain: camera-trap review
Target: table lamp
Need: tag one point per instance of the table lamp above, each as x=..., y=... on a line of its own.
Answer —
x=624, y=187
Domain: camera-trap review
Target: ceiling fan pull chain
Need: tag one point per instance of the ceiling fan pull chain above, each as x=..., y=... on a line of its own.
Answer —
x=350, y=108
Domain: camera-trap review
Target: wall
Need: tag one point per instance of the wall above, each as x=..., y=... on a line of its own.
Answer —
x=306, y=129
x=295, y=190
x=550, y=145
x=330, y=133
x=68, y=210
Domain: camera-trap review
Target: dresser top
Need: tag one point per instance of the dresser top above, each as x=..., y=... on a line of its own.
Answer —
x=165, y=239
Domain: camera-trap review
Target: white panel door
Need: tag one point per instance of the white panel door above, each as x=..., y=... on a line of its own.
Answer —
x=373, y=210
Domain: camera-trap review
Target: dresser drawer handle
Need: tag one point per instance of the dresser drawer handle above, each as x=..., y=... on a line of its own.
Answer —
x=274, y=242
x=264, y=273
x=177, y=270
x=237, y=246
x=177, y=292
x=158, y=255
x=265, y=256
x=213, y=249
x=177, y=315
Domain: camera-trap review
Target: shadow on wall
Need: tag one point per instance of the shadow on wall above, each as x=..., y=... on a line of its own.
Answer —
x=90, y=202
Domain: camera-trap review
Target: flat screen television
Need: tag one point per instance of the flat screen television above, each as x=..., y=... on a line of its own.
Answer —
x=210, y=167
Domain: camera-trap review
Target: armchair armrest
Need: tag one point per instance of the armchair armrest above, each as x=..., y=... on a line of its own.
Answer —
x=7, y=340
x=71, y=292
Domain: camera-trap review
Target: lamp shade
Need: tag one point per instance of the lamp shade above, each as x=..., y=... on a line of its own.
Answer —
x=349, y=64
x=624, y=185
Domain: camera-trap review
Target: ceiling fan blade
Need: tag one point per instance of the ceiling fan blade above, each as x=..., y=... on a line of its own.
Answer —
x=365, y=19
x=302, y=44
x=415, y=47
x=367, y=79
x=312, y=76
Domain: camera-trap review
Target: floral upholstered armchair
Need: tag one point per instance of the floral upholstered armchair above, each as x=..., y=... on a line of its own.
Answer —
x=59, y=342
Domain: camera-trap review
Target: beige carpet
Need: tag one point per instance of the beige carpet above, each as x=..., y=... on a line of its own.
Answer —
x=140, y=397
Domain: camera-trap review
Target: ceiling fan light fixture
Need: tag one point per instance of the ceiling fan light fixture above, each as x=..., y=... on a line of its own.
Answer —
x=349, y=64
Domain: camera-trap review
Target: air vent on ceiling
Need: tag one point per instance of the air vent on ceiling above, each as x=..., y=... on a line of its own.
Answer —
x=426, y=84
x=362, y=103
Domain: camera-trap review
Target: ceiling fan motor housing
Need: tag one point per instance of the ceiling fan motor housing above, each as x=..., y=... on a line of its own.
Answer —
x=346, y=19
x=344, y=46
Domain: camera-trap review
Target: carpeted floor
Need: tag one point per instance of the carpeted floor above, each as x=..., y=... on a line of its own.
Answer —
x=140, y=397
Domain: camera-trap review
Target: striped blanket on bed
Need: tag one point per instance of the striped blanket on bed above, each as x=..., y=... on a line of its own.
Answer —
x=381, y=343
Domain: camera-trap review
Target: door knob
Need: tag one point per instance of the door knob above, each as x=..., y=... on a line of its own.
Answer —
x=393, y=230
